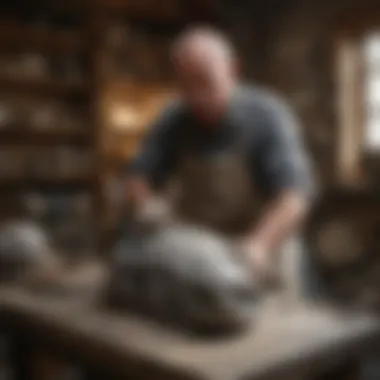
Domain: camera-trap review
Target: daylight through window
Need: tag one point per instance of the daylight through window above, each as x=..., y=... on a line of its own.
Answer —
x=371, y=50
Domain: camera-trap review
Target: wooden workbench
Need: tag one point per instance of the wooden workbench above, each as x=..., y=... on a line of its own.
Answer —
x=288, y=339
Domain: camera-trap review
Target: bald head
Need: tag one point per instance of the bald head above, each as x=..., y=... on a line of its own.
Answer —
x=204, y=61
x=210, y=42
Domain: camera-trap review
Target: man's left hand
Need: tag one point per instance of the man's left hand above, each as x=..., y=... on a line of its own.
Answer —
x=260, y=261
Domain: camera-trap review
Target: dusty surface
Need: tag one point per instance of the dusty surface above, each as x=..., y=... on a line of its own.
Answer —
x=287, y=336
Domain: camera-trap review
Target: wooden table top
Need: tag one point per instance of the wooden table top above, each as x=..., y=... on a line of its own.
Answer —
x=287, y=336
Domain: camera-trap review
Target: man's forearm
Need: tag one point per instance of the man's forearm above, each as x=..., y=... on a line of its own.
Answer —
x=282, y=218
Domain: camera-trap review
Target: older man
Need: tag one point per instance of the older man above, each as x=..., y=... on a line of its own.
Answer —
x=235, y=151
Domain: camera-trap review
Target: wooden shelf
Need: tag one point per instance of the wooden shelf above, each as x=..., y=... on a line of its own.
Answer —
x=88, y=41
x=349, y=195
x=15, y=37
x=132, y=134
x=84, y=41
x=168, y=10
x=22, y=136
x=48, y=183
x=41, y=86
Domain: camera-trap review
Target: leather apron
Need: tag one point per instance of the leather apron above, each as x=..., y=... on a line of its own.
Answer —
x=217, y=191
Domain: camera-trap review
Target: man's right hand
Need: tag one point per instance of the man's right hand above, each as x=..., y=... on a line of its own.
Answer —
x=137, y=190
x=153, y=211
x=147, y=208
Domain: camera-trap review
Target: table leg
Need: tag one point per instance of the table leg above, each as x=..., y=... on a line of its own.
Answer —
x=19, y=357
x=346, y=371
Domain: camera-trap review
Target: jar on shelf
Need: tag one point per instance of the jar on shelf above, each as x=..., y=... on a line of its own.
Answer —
x=66, y=162
x=70, y=120
x=68, y=68
x=82, y=207
x=36, y=205
x=7, y=115
x=43, y=163
x=9, y=66
x=45, y=116
x=25, y=110
x=33, y=66
x=40, y=22
x=12, y=163
x=87, y=159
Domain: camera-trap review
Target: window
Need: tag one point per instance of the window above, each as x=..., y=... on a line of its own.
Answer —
x=371, y=54
x=358, y=89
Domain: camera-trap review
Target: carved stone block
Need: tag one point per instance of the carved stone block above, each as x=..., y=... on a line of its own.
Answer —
x=185, y=275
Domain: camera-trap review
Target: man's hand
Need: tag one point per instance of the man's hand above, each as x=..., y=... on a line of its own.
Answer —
x=154, y=210
x=261, y=262
x=137, y=190
x=281, y=219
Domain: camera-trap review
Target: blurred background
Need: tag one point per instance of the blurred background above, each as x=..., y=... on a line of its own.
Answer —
x=80, y=81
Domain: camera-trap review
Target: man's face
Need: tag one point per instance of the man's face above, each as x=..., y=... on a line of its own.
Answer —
x=205, y=80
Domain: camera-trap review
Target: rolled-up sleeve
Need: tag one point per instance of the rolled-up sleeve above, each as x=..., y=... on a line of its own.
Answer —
x=155, y=159
x=284, y=158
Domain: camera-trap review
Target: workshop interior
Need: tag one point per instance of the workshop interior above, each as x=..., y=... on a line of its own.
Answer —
x=81, y=83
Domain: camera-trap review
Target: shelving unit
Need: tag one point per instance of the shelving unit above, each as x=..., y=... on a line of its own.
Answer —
x=56, y=65
x=48, y=123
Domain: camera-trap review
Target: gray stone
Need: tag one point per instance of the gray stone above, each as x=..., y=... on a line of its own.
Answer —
x=23, y=246
x=186, y=274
